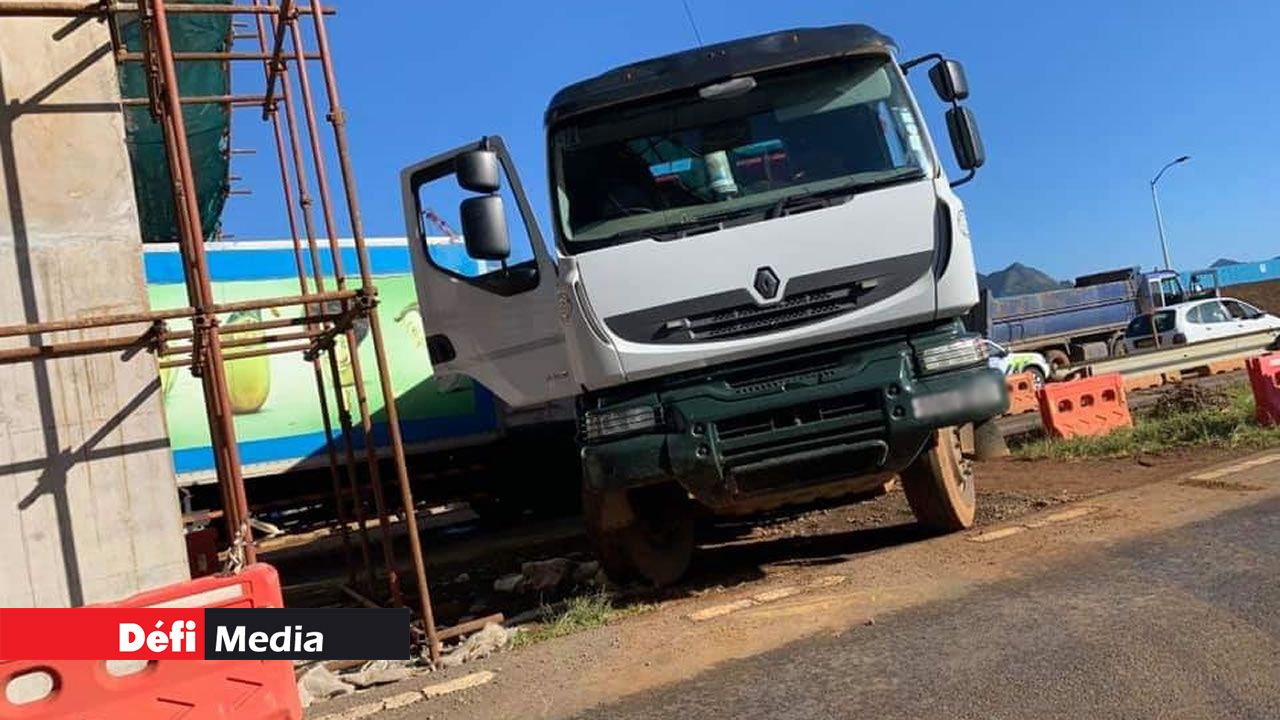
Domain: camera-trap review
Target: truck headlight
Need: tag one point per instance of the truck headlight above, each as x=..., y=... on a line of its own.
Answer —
x=600, y=424
x=955, y=354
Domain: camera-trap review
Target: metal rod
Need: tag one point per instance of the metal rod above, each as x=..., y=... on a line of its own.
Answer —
x=371, y=461
x=134, y=57
x=338, y=120
x=468, y=627
x=316, y=365
x=241, y=355
x=275, y=65
x=349, y=592
x=250, y=342
x=317, y=267
x=235, y=100
x=51, y=8
x=94, y=321
x=261, y=325
x=214, y=379
x=76, y=348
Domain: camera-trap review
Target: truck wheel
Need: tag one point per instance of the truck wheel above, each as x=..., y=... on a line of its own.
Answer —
x=1057, y=359
x=939, y=484
x=643, y=532
x=1117, y=347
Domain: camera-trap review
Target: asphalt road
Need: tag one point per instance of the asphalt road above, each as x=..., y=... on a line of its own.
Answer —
x=1180, y=624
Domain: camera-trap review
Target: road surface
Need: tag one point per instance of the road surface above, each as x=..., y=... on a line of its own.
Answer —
x=1157, y=600
x=1183, y=624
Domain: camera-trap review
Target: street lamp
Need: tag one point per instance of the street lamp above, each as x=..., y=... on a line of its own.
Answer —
x=1155, y=200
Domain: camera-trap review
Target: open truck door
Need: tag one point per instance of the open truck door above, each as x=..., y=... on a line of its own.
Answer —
x=486, y=283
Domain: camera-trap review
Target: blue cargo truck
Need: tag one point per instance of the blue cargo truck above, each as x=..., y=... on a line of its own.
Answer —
x=459, y=437
x=1085, y=321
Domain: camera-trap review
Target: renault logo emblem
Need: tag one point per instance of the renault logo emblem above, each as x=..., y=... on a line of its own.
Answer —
x=766, y=283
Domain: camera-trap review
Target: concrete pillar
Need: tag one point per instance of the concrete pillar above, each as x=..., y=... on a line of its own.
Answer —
x=88, y=502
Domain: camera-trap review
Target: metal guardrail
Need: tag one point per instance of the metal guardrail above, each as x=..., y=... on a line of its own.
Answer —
x=1181, y=357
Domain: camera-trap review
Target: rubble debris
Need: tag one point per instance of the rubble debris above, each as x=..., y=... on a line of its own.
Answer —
x=320, y=683
x=491, y=639
x=380, y=672
x=508, y=583
x=542, y=576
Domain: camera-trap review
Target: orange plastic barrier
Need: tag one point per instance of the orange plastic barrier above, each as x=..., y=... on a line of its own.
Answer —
x=1264, y=377
x=1093, y=406
x=191, y=690
x=1022, y=393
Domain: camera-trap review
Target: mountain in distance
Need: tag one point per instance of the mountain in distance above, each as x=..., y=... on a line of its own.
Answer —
x=1223, y=262
x=1018, y=279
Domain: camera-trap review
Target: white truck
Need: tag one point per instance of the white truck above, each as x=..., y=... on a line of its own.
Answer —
x=754, y=291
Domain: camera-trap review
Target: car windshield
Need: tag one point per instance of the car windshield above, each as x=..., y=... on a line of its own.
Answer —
x=687, y=159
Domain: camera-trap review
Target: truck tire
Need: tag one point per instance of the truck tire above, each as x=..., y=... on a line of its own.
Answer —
x=1057, y=359
x=644, y=533
x=1117, y=347
x=939, y=484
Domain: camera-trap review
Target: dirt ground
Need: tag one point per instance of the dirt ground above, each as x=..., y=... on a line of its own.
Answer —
x=832, y=570
x=464, y=559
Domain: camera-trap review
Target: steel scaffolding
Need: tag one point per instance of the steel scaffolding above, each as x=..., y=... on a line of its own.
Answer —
x=282, y=50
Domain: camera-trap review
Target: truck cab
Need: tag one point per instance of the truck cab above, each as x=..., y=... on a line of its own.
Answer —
x=754, y=289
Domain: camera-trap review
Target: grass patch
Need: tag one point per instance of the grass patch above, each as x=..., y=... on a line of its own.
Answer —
x=576, y=614
x=1191, y=418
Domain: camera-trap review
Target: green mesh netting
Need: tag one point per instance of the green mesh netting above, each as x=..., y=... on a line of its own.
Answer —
x=207, y=126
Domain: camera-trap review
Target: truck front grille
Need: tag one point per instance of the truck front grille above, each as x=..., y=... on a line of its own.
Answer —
x=749, y=319
x=803, y=444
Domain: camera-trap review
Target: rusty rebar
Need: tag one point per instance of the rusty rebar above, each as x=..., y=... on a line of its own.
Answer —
x=317, y=267
x=77, y=348
x=371, y=461
x=149, y=316
x=338, y=121
x=243, y=354
x=72, y=8
x=234, y=100
x=214, y=377
x=275, y=65
x=136, y=57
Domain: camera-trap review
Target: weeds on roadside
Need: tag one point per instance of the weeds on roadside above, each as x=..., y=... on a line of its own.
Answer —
x=1224, y=419
x=577, y=614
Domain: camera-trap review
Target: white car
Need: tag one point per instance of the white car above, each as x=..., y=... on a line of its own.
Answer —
x=1013, y=363
x=1197, y=321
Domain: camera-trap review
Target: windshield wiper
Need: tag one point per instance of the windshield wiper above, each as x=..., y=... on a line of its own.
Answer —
x=841, y=193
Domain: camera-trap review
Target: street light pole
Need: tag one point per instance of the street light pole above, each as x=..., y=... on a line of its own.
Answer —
x=1155, y=201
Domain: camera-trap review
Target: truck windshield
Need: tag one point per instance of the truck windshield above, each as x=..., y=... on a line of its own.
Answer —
x=668, y=167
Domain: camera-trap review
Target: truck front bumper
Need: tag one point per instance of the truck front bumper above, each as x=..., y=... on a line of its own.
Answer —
x=795, y=423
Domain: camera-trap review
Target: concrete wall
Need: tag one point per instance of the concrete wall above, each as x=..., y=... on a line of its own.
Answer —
x=88, y=503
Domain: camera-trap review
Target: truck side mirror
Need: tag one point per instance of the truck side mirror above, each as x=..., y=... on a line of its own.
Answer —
x=965, y=138
x=484, y=228
x=479, y=171
x=949, y=81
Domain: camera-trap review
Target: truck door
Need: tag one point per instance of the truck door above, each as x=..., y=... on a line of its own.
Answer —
x=489, y=310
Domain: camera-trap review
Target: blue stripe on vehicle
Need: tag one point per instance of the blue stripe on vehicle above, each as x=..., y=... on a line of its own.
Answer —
x=312, y=445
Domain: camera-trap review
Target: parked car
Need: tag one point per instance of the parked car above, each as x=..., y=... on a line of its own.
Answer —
x=1013, y=363
x=1197, y=321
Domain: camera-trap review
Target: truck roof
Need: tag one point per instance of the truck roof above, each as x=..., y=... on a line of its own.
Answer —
x=713, y=63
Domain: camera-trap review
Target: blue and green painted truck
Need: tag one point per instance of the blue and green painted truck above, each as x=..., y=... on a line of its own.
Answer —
x=454, y=429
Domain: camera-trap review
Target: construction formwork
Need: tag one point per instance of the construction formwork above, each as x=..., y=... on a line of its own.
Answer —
x=291, y=44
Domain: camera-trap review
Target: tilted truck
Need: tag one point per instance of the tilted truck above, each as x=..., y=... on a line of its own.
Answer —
x=755, y=289
x=1086, y=321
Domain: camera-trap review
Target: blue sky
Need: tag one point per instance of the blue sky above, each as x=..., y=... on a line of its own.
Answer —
x=1079, y=104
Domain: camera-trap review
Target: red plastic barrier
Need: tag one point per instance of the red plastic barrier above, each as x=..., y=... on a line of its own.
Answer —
x=1022, y=393
x=1264, y=377
x=1093, y=406
x=163, y=690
